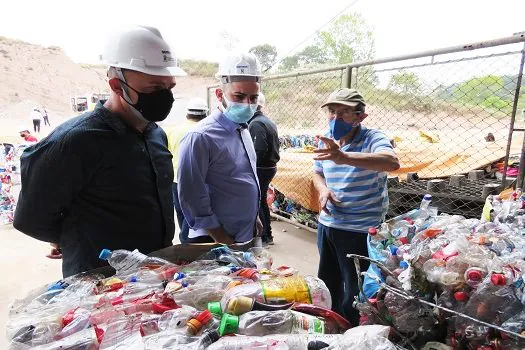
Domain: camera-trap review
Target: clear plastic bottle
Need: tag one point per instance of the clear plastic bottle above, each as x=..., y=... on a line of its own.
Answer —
x=281, y=290
x=260, y=323
x=230, y=256
x=123, y=261
x=277, y=342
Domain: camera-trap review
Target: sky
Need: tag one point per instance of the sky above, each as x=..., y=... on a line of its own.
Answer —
x=195, y=29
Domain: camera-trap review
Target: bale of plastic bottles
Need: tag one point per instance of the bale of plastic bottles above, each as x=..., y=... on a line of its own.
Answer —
x=449, y=279
x=226, y=299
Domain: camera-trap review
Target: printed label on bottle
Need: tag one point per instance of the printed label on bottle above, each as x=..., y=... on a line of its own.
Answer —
x=131, y=261
x=286, y=290
x=303, y=323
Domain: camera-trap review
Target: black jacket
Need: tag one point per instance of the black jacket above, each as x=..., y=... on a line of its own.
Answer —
x=95, y=183
x=265, y=140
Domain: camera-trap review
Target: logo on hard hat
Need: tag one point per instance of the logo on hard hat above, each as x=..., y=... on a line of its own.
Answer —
x=242, y=67
x=166, y=55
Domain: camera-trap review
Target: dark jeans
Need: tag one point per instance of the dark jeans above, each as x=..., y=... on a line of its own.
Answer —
x=36, y=125
x=183, y=224
x=265, y=176
x=337, y=271
x=46, y=121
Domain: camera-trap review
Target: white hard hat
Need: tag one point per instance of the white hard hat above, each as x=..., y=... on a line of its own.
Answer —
x=197, y=106
x=261, y=100
x=141, y=49
x=239, y=67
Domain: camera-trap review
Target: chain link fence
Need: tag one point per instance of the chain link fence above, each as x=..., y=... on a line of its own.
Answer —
x=455, y=117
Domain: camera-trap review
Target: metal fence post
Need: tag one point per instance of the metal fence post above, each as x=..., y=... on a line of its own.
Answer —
x=511, y=128
x=347, y=77
x=208, y=99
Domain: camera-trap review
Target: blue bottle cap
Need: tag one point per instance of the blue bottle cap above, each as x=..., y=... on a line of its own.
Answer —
x=235, y=268
x=393, y=249
x=247, y=256
x=178, y=276
x=403, y=264
x=55, y=286
x=133, y=279
x=184, y=284
x=105, y=254
x=427, y=197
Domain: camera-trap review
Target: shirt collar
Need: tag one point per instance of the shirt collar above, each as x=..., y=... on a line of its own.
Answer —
x=226, y=123
x=116, y=123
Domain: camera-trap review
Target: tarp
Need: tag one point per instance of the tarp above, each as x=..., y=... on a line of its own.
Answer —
x=455, y=153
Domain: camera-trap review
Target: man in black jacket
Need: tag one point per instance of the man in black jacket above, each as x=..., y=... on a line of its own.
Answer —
x=103, y=179
x=266, y=142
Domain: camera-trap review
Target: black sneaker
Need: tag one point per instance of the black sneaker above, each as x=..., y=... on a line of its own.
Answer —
x=269, y=241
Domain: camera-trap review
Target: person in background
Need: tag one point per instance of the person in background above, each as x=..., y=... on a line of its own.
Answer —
x=113, y=163
x=36, y=118
x=351, y=168
x=217, y=177
x=45, y=116
x=26, y=134
x=266, y=143
x=196, y=110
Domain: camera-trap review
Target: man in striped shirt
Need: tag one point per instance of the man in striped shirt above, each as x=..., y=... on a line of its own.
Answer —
x=350, y=176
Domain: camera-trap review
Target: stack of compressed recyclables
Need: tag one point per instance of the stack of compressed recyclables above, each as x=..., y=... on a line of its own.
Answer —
x=224, y=299
x=474, y=267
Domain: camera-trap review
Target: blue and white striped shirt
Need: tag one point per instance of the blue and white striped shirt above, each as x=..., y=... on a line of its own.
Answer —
x=363, y=193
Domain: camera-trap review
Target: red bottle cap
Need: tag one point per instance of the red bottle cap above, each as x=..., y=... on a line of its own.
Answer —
x=474, y=275
x=372, y=231
x=498, y=279
x=461, y=296
x=403, y=240
x=409, y=220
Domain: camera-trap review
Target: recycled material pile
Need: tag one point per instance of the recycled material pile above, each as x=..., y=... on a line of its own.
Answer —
x=226, y=299
x=474, y=267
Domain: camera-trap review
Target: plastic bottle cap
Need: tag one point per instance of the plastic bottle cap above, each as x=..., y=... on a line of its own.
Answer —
x=133, y=279
x=498, y=279
x=229, y=324
x=247, y=256
x=403, y=240
x=474, y=275
x=403, y=264
x=184, y=284
x=105, y=254
x=194, y=326
x=179, y=275
x=461, y=296
x=372, y=231
x=239, y=305
x=393, y=249
x=427, y=197
x=215, y=308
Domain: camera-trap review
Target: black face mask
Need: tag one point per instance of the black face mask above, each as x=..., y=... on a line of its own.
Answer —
x=154, y=106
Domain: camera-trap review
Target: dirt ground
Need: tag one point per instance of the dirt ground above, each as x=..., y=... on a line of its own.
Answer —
x=25, y=266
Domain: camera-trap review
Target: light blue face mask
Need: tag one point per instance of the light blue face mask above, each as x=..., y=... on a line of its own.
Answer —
x=239, y=112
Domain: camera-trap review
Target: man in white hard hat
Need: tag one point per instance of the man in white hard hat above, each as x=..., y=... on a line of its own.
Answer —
x=196, y=110
x=266, y=143
x=217, y=176
x=104, y=178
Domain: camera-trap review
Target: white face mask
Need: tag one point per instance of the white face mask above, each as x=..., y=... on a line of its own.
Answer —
x=239, y=112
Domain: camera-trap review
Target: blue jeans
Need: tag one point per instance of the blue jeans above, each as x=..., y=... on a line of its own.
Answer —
x=183, y=224
x=337, y=271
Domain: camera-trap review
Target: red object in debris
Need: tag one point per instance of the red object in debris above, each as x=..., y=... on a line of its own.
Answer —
x=372, y=231
x=69, y=317
x=270, y=196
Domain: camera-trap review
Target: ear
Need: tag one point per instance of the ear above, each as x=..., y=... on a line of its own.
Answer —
x=219, y=93
x=115, y=85
x=362, y=117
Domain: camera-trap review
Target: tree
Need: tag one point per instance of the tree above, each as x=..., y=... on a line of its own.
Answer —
x=267, y=55
x=312, y=55
x=348, y=39
x=289, y=63
x=405, y=82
